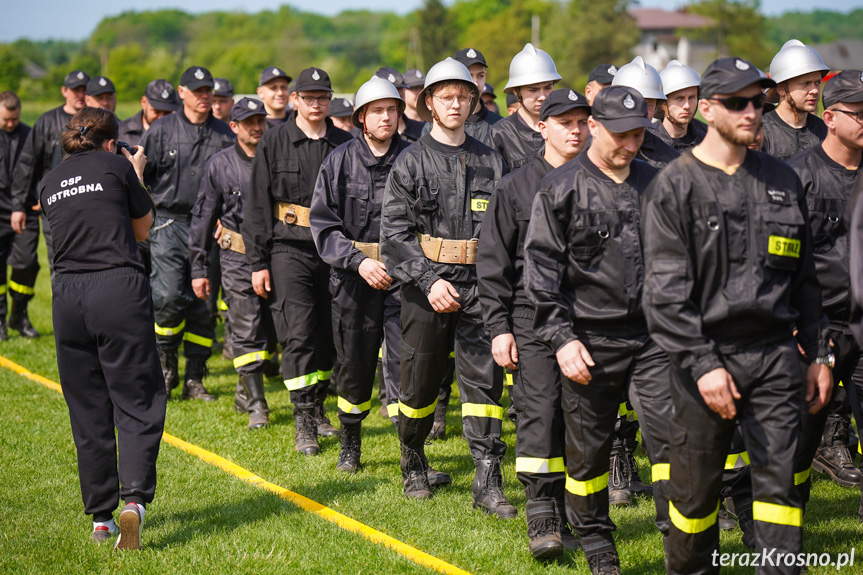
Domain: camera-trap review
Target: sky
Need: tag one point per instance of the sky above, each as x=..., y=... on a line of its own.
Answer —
x=76, y=19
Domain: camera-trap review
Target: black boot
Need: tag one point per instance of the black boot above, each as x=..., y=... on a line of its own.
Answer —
x=487, y=489
x=241, y=400
x=438, y=430
x=437, y=478
x=833, y=456
x=349, y=456
x=636, y=487
x=543, y=529
x=726, y=520
x=193, y=386
x=253, y=385
x=414, y=468
x=170, y=369
x=324, y=428
x=20, y=321
x=601, y=555
x=569, y=540
x=306, y=440
x=618, y=473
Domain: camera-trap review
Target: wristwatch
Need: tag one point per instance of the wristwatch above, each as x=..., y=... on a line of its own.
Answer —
x=829, y=360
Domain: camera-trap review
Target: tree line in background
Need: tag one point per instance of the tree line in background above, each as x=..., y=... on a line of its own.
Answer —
x=134, y=48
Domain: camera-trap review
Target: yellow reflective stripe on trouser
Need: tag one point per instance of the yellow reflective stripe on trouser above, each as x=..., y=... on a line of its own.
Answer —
x=800, y=478
x=22, y=289
x=171, y=330
x=252, y=357
x=324, y=375
x=2, y=289
x=778, y=514
x=380, y=353
x=198, y=339
x=347, y=407
x=731, y=460
x=688, y=525
x=409, y=411
x=588, y=487
x=539, y=465
x=393, y=410
x=482, y=410
x=507, y=379
x=301, y=382
x=660, y=472
x=452, y=354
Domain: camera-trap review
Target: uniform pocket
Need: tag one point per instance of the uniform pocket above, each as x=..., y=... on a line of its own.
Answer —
x=781, y=235
x=480, y=194
x=825, y=219
x=588, y=234
x=357, y=204
x=666, y=280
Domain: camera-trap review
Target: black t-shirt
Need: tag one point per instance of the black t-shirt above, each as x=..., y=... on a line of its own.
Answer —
x=90, y=200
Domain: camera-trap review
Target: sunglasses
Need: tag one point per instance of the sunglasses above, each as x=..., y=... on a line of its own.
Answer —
x=739, y=103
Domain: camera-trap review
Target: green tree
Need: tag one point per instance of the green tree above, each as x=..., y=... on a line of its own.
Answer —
x=737, y=28
x=436, y=31
x=13, y=68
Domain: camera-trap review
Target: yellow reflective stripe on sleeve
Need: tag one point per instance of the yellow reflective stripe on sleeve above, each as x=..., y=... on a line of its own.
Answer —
x=252, y=357
x=478, y=205
x=482, y=410
x=539, y=465
x=347, y=407
x=171, y=330
x=778, y=514
x=787, y=247
x=801, y=477
x=324, y=375
x=731, y=460
x=222, y=305
x=2, y=289
x=688, y=525
x=301, y=382
x=409, y=411
x=621, y=411
x=393, y=410
x=660, y=472
x=588, y=487
x=22, y=289
x=198, y=339
x=508, y=379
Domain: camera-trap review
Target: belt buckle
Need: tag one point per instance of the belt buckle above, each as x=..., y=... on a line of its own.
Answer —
x=225, y=241
x=290, y=216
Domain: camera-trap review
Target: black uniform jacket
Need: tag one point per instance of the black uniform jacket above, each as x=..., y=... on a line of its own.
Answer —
x=500, y=260
x=414, y=130
x=584, y=268
x=828, y=187
x=11, y=146
x=516, y=142
x=782, y=141
x=656, y=152
x=854, y=223
x=695, y=132
x=729, y=261
x=132, y=129
x=41, y=154
x=177, y=155
x=346, y=205
x=285, y=169
x=223, y=189
x=438, y=190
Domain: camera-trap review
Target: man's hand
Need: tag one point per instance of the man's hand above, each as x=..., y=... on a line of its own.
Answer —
x=19, y=222
x=442, y=297
x=217, y=235
x=504, y=351
x=574, y=359
x=719, y=392
x=261, y=283
x=819, y=386
x=201, y=287
x=375, y=274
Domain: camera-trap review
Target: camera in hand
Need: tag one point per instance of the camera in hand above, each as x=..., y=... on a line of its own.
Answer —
x=121, y=145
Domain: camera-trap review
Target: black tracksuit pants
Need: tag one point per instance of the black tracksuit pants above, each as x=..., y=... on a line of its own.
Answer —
x=427, y=338
x=18, y=251
x=111, y=378
x=769, y=380
x=247, y=314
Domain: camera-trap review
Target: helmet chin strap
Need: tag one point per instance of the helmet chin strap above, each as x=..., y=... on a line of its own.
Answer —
x=436, y=118
x=791, y=103
x=371, y=136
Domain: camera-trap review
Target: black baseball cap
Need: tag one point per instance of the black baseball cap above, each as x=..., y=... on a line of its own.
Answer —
x=196, y=77
x=393, y=76
x=470, y=56
x=76, y=79
x=246, y=108
x=620, y=109
x=340, y=108
x=846, y=86
x=563, y=100
x=312, y=80
x=488, y=89
x=161, y=95
x=273, y=73
x=511, y=99
x=602, y=74
x=414, y=78
x=100, y=85
x=728, y=75
x=223, y=87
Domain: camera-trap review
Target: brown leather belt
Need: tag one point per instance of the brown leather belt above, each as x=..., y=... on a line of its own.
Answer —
x=231, y=240
x=291, y=214
x=448, y=251
x=370, y=250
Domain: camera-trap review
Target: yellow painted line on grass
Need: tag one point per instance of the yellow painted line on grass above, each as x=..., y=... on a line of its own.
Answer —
x=304, y=503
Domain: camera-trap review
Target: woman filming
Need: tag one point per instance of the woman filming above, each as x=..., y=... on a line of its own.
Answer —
x=103, y=321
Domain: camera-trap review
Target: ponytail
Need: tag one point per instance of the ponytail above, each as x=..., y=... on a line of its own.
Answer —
x=89, y=129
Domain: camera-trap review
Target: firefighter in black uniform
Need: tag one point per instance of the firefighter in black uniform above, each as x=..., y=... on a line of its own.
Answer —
x=480, y=122
x=508, y=315
x=274, y=91
x=340, y=113
x=223, y=190
x=599, y=78
x=585, y=271
x=108, y=365
x=854, y=223
x=729, y=273
x=179, y=146
x=345, y=221
x=223, y=99
x=435, y=199
x=829, y=173
x=409, y=130
x=414, y=79
x=160, y=99
x=278, y=241
x=679, y=128
x=532, y=76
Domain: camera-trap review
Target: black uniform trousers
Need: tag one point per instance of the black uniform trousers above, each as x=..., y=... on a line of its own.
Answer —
x=427, y=338
x=301, y=306
x=180, y=316
x=111, y=378
x=536, y=397
x=633, y=366
x=360, y=317
x=767, y=375
x=18, y=251
x=248, y=316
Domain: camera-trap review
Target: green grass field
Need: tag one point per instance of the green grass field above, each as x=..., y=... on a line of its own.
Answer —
x=205, y=520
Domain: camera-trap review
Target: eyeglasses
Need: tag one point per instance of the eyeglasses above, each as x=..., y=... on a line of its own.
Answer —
x=855, y=115
x=739, y=103
x=463, y=100
x=311, y=100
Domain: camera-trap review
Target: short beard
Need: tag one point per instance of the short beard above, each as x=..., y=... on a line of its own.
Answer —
x=729, y=134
